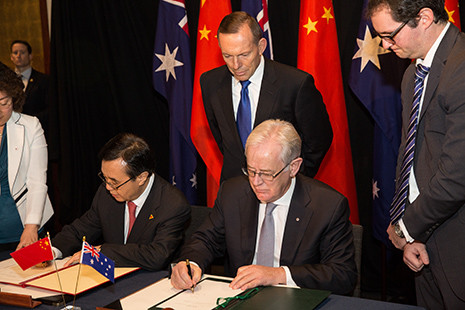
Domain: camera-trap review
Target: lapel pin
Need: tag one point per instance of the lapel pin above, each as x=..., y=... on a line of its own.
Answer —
x=297, y=219
x=151, y=217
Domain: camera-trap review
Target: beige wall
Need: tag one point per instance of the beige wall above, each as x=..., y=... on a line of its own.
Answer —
x=21, y=19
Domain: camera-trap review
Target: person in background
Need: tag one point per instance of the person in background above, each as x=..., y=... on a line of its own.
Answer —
x=275, y=226
x=24, y=203
x=36, y=84
x=428, y=211
x=268, y=90
x=136, y=218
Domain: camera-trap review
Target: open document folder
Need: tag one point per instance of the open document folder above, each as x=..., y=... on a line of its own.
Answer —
x=47, y=278
x=162, y=295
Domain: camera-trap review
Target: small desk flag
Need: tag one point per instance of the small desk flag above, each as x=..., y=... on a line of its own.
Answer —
x=90, y=256
x=33, y=254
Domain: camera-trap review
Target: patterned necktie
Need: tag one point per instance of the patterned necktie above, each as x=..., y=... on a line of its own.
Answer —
x=132, y=215
x=400, y=197
x=265, y=251
x=244, y=116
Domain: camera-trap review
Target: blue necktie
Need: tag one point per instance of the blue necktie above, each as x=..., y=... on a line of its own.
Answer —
x=244, y=116
x=400, y=197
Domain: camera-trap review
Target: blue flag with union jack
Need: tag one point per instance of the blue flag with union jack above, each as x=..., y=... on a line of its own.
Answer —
x=259, y=10
x=375, y=77
x=92, y=257
x=172, y=78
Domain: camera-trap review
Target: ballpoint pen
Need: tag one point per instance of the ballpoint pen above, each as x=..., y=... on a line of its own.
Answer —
x=189, y=272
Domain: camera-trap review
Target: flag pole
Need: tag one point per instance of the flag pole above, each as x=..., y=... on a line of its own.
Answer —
x=56, y=269
x=79, y=272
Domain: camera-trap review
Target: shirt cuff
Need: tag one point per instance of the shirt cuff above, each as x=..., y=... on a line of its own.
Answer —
x=57, y=253
x=407, y=236
x=289, y=280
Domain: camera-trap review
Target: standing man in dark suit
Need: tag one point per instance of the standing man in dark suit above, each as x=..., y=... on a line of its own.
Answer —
x=276, y=227
x=275, y=91
x=136, y=217
x=36, y=84
x=428, y=211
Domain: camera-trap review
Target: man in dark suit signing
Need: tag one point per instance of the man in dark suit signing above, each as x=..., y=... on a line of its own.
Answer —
x=36, y=84
x=275, y=226
x=136, y=217
x=428, y=211
x=234, y=107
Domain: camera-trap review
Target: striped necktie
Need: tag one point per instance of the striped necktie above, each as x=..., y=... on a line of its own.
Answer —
x=400, y=197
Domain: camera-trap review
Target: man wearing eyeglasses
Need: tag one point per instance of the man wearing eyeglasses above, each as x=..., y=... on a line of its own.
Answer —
x=276, y=227
x=136, y=218
x=428, y=209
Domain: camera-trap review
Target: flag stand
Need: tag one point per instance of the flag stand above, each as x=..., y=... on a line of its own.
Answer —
x=56, y=271
x=73, y=307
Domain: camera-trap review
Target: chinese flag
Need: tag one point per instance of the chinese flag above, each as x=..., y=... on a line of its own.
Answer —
x=318, y=54
x=33, y=254
x=452, y=8
x=208, y=57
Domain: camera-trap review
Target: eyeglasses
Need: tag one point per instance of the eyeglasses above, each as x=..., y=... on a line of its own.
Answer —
x=6, y=104
x=265, y=176
x=390, y=37
x=113, y=186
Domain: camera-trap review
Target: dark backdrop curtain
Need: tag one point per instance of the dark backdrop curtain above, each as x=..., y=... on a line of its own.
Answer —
x=101, y=62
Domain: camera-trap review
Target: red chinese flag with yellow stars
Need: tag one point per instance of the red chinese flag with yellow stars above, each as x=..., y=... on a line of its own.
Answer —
x=318, y=54
x=208, y=56
x=33, y=254
x=452, y=8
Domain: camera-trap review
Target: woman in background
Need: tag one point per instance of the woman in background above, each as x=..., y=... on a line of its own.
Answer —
x=24, y=203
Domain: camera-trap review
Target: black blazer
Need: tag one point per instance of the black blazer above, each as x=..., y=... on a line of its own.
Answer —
x=317, y=243
x=286, y=93
x=37, y=97
x=155, y=236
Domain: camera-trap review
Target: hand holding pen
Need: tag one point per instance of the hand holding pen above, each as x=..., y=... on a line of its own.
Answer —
x=185, y=275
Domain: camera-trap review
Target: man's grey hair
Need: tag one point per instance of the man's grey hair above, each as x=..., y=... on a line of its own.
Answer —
x=279, y=131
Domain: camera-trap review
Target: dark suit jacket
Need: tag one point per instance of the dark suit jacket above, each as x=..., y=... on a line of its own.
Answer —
x=286, y=93
x=317, y=243
x=437, y=216
x=155, y=236
x=37, y=97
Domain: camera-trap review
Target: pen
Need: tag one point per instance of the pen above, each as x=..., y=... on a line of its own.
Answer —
x=189, y=272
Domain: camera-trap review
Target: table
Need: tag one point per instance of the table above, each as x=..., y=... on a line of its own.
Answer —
x=108, y=292
x=128, y=284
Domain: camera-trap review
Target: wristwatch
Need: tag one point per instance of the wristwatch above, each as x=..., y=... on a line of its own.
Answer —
x=398, y=230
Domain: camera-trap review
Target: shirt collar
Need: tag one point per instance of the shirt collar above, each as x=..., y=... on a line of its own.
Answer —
x=257, y=76
x=428, y=61
x=285, y=200
x=26, y=73
x=141, y=199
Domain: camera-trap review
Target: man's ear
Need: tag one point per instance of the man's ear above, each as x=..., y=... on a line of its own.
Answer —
x=426, y=17
x=262, y=45
x=295, y=166
x=142, y=178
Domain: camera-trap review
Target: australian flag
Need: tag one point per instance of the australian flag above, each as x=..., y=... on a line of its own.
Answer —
x=259, y=10
x=375, y=78
x=172, y=78
x=95, y=259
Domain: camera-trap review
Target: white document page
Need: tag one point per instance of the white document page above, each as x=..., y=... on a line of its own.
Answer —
x=204, y=296
x=11, y=273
